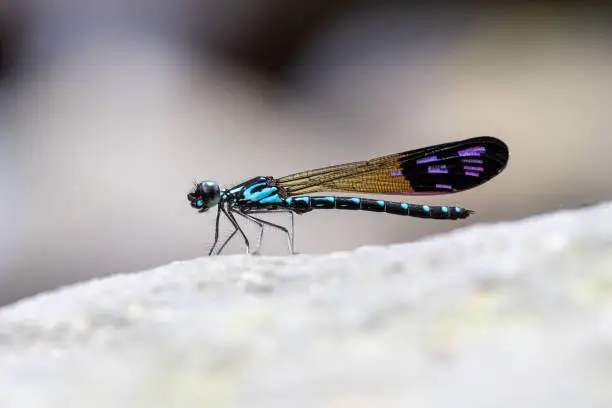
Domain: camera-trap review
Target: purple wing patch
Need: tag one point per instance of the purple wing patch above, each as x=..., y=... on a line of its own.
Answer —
x=444, y=186
x=473, y=161
x=428, y=159
x=396, y=172
x=442, y=169
x=472, y=151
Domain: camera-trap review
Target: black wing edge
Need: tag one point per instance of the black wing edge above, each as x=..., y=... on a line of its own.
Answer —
x=454, y=157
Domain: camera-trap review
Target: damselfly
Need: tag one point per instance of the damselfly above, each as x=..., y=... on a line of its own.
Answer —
x=440, y=169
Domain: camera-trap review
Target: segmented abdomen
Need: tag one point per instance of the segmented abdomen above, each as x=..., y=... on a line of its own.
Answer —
x=306, y=203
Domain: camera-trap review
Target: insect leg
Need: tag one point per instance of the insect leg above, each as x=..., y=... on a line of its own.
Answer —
x=228, y=214
x=259, y=220
x=227, y=241
x=212, y=248
x=259, y=224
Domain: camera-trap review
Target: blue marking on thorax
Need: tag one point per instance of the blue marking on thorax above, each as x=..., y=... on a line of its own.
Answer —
x=426, y=208
x=356, y=200
x=404, y=206
x=381, y=203
x=235, y=189
x=273, y=199
x=266, y=192
x=248, y=193
x=260, y=195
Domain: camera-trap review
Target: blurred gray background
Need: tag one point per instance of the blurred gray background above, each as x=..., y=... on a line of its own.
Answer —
x=109, y=109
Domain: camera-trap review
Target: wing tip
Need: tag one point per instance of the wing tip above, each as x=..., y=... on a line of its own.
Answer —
x=498, y=151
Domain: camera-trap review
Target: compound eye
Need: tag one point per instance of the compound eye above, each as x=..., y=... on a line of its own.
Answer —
x=211, y=193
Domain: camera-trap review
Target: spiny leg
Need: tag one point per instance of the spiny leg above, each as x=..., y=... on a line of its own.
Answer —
x=259, y=220
x=229, y=215
x=212, y=248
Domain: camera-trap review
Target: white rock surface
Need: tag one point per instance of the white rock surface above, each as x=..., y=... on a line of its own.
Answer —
x=507, y=315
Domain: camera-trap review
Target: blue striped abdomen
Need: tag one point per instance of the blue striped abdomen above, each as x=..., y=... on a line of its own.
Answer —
x=307, y=203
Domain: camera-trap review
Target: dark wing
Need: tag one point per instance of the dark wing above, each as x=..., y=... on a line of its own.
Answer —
x=440, y=169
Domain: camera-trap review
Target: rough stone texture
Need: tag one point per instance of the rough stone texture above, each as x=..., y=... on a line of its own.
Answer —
x=507, y=315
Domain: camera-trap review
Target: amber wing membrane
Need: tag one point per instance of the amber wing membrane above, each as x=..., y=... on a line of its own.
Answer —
x=440, y=169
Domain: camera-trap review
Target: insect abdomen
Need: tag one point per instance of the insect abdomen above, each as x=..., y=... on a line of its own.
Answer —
x=306, y=203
